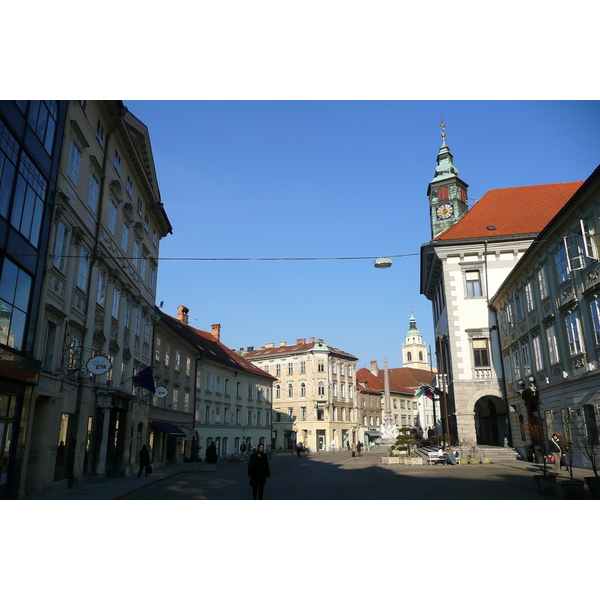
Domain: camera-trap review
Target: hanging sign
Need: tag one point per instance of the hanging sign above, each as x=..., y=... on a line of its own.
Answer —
x=98, y=365
x=161, y=392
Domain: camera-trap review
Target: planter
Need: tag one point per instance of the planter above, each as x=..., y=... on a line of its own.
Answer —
x=410, y=460
x=593, y=484
x=573, y=489
x=546, y=484
x=390, y=460
x=474, y=460
x=463, y=461
x=485, y=460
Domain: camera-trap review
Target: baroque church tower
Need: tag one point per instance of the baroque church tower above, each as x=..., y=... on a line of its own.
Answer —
x=447, y=193
x=414, y=351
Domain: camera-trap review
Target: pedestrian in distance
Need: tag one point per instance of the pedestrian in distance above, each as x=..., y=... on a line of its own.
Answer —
x=211, y=454
x=353, y=449
x=298, y=449
x=144, y=461
x=258, y=471
x=557, y=451
x=563, y=459
x=359, y=447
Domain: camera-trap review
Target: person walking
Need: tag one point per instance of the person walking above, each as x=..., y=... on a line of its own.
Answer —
x=258, y=471
x=353, y=449
x=563, y=459
x=359, y=447
x=557, y=450
x=144, y=461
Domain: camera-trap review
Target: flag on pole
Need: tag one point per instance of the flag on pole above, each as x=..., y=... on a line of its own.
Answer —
x=145, y=379
x=425, y=390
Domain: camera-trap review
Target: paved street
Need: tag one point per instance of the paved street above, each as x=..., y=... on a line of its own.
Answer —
x=324, y=476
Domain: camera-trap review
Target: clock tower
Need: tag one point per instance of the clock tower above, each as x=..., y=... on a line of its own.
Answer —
x=447, y=193
x=414, y=351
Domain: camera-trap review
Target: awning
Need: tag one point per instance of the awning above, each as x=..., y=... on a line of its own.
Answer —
x=373, y=434
x=167, y=428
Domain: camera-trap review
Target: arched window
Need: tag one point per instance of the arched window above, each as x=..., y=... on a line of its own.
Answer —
x=303, y=390
x=290, y=391
x=277, y=391
x=420, y=356
x=409, y=356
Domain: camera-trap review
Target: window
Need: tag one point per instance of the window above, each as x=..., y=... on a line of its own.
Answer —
x=143, y=268
x=516, y=364
x=43, y=115
x=28, y=205
x=250, y=391
x=303, y=413
x=238, y=389
x=100, y=132
x=552, y=345
x=480, y=353
x=117, y=161
x=9, y=149
x=589, y=412
x=529, y=296
x=209, y=382
x=129, y=185
x=303, y=367
x=290, y=390
x=61, y=247
x=518, y=307
x=526, y=360
x=74, y=161
x=277, y=392
x=177, y=360
x=136, y=254
x=101, y=293
x=125, y=238
x=207, y=414
x=82, y=269
x=542, y=282
x=167, y=354
x=140, y=206
x=302, y=390
x=537, y=353
x=157, y=350
x=15, y=288
x=226, y=415
x=321, y=367
x=112, y=217
x=48, y=362
x=116, y=302
x=227, y=387
x=138, y=318
x=278, y=370
x=573, y=333
x=595, y=310
x=507, y=369
x=562, y=268
x=290, y=368
x=473, y=282
x=321, y=389
x=127, y=313
x=218, y=385
x=93, y=189
x=587, y=232
x=152, y=280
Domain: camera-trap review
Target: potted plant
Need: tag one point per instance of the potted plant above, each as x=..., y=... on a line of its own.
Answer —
x=585, y=439
x=405, y=441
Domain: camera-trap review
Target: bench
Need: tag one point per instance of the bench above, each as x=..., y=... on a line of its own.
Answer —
x=434, y=458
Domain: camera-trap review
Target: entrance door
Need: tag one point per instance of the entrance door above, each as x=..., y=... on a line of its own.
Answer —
x=321, y=439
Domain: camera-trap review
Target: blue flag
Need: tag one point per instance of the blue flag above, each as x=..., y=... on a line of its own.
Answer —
x=145, y=379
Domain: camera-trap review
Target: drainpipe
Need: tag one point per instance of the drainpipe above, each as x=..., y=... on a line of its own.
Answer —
x=93, y=260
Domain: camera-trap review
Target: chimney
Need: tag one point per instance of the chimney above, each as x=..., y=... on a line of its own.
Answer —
x=282, y=344
x=374, y=368
x=301, y=341
x=270, y=345
x=312, y=339
x=320, y=341
x=250, y=349
x=183, y=314
x=216, y=331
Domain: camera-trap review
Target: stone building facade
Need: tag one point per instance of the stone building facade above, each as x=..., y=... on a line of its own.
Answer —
x=548, y=311
x=314, y=397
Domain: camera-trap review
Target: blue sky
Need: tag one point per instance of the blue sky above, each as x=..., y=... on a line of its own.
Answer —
x=332, y=179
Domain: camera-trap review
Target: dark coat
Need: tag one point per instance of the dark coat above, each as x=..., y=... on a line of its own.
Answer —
x=556, y=446
x=211, y=454
x=258, y=469
x=144, y=457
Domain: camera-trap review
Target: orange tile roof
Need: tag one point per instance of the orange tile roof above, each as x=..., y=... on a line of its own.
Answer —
x=512, y=211
x=296, y=349
x=404, y=379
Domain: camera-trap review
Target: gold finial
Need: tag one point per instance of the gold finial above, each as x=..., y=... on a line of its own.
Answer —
x=443, y=130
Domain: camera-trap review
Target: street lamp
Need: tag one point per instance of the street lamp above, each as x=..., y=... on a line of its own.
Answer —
x=382, y=263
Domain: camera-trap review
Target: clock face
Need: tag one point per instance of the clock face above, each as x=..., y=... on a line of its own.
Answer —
x=444, y=211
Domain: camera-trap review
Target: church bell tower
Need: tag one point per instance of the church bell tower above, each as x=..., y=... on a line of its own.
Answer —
x=414, y=351
x=447, y=193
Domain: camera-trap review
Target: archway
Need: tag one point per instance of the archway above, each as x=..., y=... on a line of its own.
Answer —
x=490, y=421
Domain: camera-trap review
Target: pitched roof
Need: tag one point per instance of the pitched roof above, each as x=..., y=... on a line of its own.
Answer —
x=404, y=379
x=297, y=349
x=512, y=211
x=210, y=347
